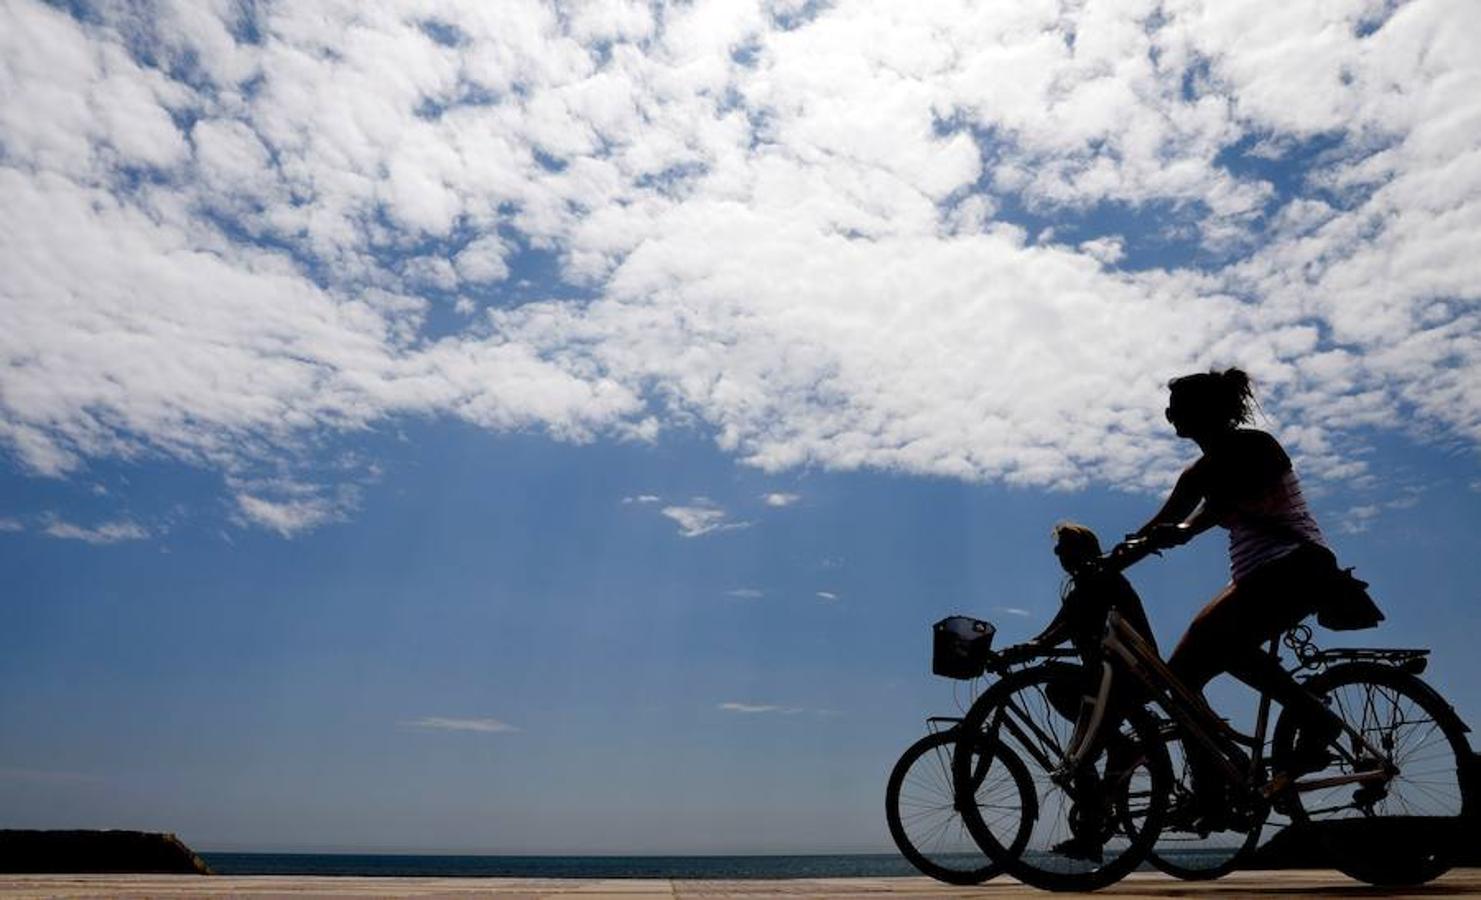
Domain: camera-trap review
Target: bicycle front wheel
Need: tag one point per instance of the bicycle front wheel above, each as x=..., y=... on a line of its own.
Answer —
x=1405, y=826
x=920, y=806
x=1091, y=827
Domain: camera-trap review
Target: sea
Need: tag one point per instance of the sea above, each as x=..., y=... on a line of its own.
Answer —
x=851, y=865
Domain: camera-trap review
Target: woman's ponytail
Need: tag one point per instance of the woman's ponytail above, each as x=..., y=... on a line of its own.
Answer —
x=1226, y=396
x=1239, y=396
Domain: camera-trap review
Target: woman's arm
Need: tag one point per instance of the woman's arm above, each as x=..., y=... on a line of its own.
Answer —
x=1189, y=510
x=1188, y=494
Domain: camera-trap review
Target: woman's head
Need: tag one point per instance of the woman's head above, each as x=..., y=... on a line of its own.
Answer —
x=1209, y=402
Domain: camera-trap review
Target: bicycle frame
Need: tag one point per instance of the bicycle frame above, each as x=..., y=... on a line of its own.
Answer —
x=1192, y=713
x=1216, y=737
x=1031, y=738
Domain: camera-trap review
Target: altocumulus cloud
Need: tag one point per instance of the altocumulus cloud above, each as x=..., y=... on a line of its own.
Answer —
x=479, y=725
x=224, y=229
x=289, y=507
x=758, y=708
x=701, y=518
x=103, y=533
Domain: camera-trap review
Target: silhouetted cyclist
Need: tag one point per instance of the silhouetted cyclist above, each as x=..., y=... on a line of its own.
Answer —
x=1091, y=591
x=1280, y=566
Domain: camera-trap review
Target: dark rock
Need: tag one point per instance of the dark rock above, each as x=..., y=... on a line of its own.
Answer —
x=69, y=852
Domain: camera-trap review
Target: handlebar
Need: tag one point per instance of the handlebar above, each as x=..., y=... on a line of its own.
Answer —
x=1018, y=654
x=1122, y=556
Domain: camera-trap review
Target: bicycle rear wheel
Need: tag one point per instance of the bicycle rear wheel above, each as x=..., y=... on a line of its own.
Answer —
x=920, y=807
x=1031, y=713
x=1403, y=829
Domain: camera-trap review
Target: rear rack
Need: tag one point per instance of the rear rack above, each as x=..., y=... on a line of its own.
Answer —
x=1411, y=659
x=1309, y=656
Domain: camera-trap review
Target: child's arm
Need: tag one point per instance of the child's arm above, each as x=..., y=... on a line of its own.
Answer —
x=1058, y=629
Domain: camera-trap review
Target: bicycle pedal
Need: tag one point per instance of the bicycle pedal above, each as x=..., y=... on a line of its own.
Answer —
x=1276, y=786
x=1245, y=817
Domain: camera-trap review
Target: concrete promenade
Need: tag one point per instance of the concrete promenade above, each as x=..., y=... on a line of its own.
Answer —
x=1295, y=883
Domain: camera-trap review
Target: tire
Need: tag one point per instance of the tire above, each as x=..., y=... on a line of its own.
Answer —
x=1405, y=830
x=1187, y=855
x=920, y=807
x=1026, y=713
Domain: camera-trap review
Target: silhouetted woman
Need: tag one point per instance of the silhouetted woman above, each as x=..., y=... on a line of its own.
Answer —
x=1279, y=562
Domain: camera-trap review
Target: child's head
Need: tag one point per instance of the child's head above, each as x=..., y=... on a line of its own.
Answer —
x=1075, y=545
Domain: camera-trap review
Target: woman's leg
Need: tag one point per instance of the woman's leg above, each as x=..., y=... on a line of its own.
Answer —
x=1201, y=654
x=1229, y=635
x=1281, y=595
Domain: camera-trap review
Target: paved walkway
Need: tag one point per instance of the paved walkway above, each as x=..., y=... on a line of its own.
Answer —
x=1459, y=883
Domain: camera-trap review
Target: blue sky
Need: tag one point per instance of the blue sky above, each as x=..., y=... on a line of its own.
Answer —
x=521, y=430
x=254, y=692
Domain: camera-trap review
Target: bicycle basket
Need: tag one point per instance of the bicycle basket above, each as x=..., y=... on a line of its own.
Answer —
x=960, y=646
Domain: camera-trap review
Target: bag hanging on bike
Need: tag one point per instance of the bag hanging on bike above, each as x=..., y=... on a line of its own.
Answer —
x=1345, y=604
x=960, y=646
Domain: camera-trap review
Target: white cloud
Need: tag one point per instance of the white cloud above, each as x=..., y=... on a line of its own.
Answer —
x=481, y=725
x=808, y=249
x=755, y=708
x=286, y=517
x=745, y=593
x=1013, y=610
x=1109, y=250
x=291, y=507
x=1360, y=518
x=780, y=499
x=702, y=518
x=827, y=595
x=642, y=498
x=481, y=261
x=9, y=524
x=104, y=533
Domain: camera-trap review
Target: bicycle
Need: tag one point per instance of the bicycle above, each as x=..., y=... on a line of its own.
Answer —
x=921, y=808
x=921, y=802
x=1398, y=767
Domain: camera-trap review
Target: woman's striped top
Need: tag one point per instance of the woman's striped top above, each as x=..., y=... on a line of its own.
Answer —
x=1266, y=527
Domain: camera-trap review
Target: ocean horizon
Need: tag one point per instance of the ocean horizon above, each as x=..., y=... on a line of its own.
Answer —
x=715, y=866
x=768, y=866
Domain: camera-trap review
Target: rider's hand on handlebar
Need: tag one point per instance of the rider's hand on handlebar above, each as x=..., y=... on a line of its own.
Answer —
x=1165, y=535
x=1018, y=653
